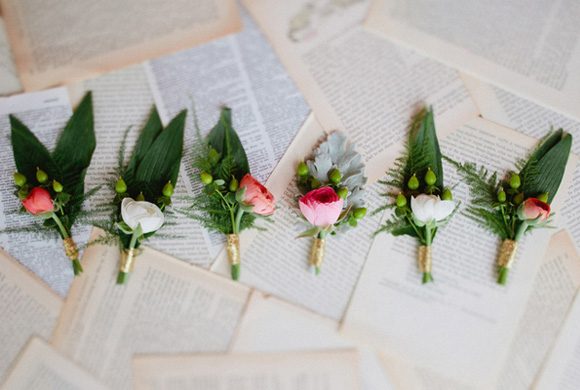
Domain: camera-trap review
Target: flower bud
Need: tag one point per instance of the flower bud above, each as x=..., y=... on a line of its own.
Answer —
x=334, y=176
x=140, y=197
x=342, y=192
x=19, y=179
x=401, y=200
x=359, y=213
x=168, y=189
x=314, y=183
x=413, y=182
x=56, y=186
x=213, y=156
x=447, y=195
x=302, y=169
x=41, y=176
x=519, y=198
x=515, y=181
x=233, y=184
x=120, y=186
x=543, y=197
x=501, y=196
x=430, y=177
x=206, y=178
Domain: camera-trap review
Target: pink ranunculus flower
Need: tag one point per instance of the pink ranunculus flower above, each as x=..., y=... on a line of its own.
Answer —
x=257, y=195
x=321, y=207
x=533, y=209
x=38, y=201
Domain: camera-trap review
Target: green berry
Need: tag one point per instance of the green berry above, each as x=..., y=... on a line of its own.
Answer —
x=519, y=198
x=206, y=178
x=430, y=177
x=213, y=156
x=19, y=179
x=120, y=186
x=302, y=169
x=314, y=183
x=140, y=197
x=352, y=222
x=401, y=200
x=543, y=197
x=413, y=183
x=41, y=176
x=515, y=181
x=168, y=189
x=56, y=186
x=342, y=192
x=334, y=176
x=447, y=195
x=359, y=213
x=501, y=196
x=234, y=184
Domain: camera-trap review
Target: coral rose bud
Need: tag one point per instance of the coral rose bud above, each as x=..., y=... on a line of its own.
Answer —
x=38, y=201
x=256, y=195
x=321, y=207
x=533, y=210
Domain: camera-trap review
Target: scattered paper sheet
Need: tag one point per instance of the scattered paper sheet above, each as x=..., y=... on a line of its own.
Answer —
x=9, y=82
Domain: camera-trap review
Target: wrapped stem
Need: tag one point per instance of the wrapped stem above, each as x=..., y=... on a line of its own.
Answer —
x=425, y=263
x=317, y=254
x=127, y=264
x=505, y=259
x=233, y=249
x=71, y=251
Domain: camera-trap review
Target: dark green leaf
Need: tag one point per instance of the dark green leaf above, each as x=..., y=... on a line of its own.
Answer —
x=424, y=149
x=148, y=135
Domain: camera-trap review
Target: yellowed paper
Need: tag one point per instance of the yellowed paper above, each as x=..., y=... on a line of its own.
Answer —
x=40, y=367
x=71, y=40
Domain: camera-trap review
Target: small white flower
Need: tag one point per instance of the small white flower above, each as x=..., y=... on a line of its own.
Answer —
x=146, y=214
x=430, y=209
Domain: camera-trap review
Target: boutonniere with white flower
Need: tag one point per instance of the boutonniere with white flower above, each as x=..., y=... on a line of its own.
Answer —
x=331, y=184
x=232, y=199
x=421, y=202
x=518, y=202
x=51, y=185
x=144, y=187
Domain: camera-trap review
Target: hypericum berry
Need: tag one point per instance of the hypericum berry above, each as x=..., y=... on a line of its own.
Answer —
x=359, y=213
x=168, y=189
x=140, y=197
x=213, y=156
x=41, y=176
x=206, y=178
x=515, y=181
x=543, y=197
x=302, y=169
x=334, y=176
x=447, y=195
x=430, y=177
x=401, y=200
x=19, y=179
x=519, y=198
x=501, y=196
x=413, y=182
x=342, y=192
x=120, y=186
x=234, y=184
x=56, y=186
x=314, y=183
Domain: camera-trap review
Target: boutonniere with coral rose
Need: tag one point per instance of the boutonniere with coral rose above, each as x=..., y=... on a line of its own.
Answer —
x=421, y=202
x=232, y=198
x=51, y=185
x=518, y=202
x=144, y=186
x=331, y=184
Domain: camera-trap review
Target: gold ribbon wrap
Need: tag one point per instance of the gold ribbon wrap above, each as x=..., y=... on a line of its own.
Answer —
x=70, y=248
x=233, y=248
x=507, y=253
x=425, y=261
x=127, y=260
x=317, y=252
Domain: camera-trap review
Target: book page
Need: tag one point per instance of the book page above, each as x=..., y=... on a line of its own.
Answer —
x=462, y=325
x=106, y=35
x=529, y=50
x=335, y=370
x=9, y=82
x=562, y=370
x=357, y=82
x=166, y=306
x=45, y=113
x=40, y=366
x=27, y=308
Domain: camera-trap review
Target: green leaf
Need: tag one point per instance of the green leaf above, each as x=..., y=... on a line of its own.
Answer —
x=424, y=149
x=148, y=135
x=309, y=233
x=404, y=231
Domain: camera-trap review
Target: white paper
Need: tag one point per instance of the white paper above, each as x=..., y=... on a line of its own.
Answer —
x=9, y=82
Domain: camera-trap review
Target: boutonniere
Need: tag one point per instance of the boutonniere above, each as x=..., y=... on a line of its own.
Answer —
x=144, y=186
x=331, y=184
x=421, y=202
x=232, y=198
x=51, y=185
x=520, y=201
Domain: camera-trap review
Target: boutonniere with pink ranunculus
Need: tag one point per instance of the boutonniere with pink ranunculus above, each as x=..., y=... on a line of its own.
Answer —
x=331, y=184
x=518, y=202
x=422, y=204
x=231, y=199
x=51, y=185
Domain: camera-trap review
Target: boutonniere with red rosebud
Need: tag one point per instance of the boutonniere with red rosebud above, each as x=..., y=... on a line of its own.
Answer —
x=518, y=202
x=331, y=184
x=143, y=187
x=232, y=199
x=51, y=185
x=421, y=202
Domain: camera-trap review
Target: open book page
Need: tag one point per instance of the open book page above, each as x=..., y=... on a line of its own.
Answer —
x=530, y=50
x=40, y=366
x=106, y=35
x=9, y=82
x=273, y=325
x=276, y=261
x=45, y=113
x=356, y=81
x=335, y=370
x=553, y=292
x=166, y=306
x=562, y=370
x=462, y=325
x=27, y=308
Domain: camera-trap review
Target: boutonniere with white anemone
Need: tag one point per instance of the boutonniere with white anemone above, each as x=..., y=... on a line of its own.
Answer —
x=421, y=202
x=518, y=202
x=231, y=199
x=331, y=184
x=144, y=186
x=51, y=185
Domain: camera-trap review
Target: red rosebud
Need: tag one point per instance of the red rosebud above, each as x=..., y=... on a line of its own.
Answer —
x=533, y=209
x=38, y=201
x=257, y=195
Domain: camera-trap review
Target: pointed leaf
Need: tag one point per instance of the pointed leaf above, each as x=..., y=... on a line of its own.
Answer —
x=148, y=135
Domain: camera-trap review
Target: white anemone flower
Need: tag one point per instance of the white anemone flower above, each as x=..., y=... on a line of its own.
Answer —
x=146, y=214
x=430, y=209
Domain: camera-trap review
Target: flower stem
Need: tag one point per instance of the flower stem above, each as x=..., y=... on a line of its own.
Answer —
x=77, y=268
x=238, y=220
x=427, y=277
x=521, y=230
x=122, y=276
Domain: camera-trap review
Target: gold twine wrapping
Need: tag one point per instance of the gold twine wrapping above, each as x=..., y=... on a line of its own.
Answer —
x=127, y=260
x=70, y=248
x=507, y=253
x=425, y=262
x=317, y=252
x=233, y=248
